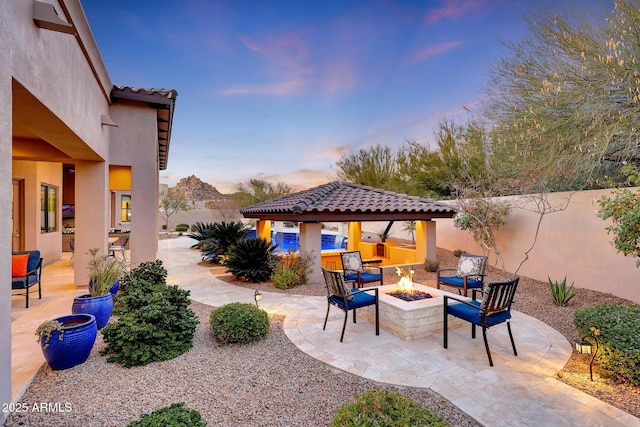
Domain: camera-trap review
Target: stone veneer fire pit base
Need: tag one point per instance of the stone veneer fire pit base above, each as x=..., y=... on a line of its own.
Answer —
x=410, y=320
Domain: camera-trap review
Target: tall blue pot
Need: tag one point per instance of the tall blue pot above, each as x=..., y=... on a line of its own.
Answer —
x=78, y=336
x=101, y=307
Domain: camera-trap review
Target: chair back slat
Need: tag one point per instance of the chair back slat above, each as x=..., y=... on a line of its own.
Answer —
x=499, y=296
x=352, y=262
x=335, y=284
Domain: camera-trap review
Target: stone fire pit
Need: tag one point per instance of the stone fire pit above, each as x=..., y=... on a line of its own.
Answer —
x=410, y=320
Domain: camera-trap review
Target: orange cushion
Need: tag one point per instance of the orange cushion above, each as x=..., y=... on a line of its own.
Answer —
x=19, y=265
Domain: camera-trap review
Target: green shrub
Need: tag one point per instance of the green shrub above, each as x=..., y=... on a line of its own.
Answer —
x=431, y=265
x=457, y=253
x=182, y=227
x=619, y=351
x=150, y=271
x=285, y=279
x=251, y=259
x=175, y=415
x=292, y=270
x=238, y=323
x=560, y=293
x=384, y=408
x=154, y=321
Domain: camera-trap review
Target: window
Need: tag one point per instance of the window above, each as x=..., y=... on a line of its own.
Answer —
x=125, y=208
x=48, y=208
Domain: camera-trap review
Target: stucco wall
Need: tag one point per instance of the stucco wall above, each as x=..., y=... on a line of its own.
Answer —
x=572, y=243
x=35, y=174
x=5, y=207
x=52, y=66
x=135, y=143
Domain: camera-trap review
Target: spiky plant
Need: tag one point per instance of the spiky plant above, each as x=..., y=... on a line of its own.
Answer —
x=251, y=259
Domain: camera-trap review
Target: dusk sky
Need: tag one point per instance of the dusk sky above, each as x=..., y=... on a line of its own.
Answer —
x=279, y=90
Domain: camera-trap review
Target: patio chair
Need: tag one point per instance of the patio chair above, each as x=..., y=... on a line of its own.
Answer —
x=468, y=275
x=355, y=271
x=26, y=273
x=347, y=299
x=494, y=309
x=72, y=246
x=120, y=246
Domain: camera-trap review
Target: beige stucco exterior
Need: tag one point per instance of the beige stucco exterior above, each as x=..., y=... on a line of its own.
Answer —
x=56, y=108
x=572, y=243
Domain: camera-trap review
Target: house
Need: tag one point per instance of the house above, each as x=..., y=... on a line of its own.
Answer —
x=81, y=153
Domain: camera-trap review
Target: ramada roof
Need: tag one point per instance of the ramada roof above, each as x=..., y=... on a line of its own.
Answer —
x=343, y=202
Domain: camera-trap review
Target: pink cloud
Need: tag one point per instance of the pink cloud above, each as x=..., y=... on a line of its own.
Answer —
x=338, y=76
x=291, y=87
x=432, y=50
x=452, y=9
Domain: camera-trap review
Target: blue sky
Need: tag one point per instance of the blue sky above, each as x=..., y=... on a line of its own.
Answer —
x=279, y=90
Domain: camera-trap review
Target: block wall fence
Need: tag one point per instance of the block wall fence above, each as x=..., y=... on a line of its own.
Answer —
x=572, y=243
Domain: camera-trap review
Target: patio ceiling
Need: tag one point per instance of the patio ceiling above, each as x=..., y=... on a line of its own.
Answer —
x=344, y=202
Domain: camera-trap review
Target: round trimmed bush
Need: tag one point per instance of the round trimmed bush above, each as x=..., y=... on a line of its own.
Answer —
x=239, y=323
x=385, y=408
x=182, y=228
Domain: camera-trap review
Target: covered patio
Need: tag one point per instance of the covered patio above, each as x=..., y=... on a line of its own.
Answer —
x=346, y=202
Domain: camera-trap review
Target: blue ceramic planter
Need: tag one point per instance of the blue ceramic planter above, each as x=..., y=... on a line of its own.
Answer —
x=78, y=336
x=101, y=307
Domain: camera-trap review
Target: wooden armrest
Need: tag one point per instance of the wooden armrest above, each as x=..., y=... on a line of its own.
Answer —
x=447, y=269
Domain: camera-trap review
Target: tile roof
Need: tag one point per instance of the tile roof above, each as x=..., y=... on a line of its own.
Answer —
x=342, y=201
x=163, y=100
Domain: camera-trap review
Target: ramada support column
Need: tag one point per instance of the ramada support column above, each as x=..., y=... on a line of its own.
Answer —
x=311, y=243
x=354, y=236
x=263, y=229
x=425, y=241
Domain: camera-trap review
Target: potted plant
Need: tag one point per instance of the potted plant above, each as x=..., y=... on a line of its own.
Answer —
x=67, y=341
x=104, y=272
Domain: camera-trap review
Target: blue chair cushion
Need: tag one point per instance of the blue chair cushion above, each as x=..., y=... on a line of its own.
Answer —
x=459, y=282
x=361, y=299
x=365, y=277
x=472, y=314
x=34, y=259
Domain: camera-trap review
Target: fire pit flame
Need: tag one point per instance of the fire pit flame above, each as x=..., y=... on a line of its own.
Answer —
x=405, y=283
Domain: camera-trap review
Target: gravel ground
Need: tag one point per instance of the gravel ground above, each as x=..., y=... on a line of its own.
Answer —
x=266, y=383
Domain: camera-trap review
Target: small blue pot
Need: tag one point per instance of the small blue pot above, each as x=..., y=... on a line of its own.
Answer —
x=101, y=307
x=78, y=336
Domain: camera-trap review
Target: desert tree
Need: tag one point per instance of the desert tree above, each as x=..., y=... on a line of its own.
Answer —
x=258, y=190
x=172, y=201
x=622, y=208
x=373, y=166
x=564, y=102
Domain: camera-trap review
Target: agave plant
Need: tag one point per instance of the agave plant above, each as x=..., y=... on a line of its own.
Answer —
x=251, y=259
x=560, y=293
x=221, y=235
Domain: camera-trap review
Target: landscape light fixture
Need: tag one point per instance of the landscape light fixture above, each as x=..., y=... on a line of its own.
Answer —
x=258, y=297
x=585, y=347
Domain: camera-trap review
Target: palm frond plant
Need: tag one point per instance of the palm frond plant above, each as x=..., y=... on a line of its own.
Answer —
x=251, y=259
x=221, y=236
